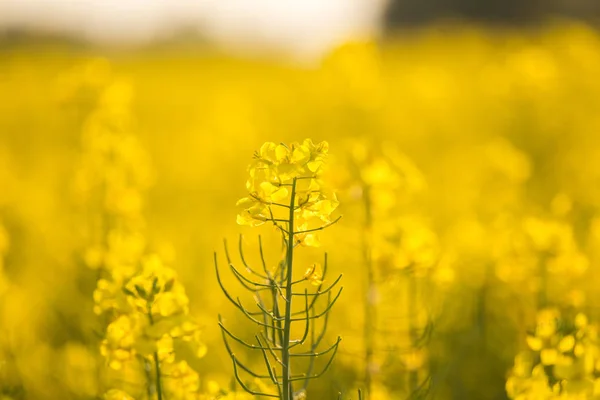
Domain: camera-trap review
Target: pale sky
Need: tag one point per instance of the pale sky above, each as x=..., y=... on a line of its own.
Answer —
x=303, y=27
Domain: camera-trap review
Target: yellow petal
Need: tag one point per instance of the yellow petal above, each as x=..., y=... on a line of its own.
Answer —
x=566, y=344
x=267, y=150
x=314, y=274
x=300, y=154
x=280, y=194
x=534, y=343
x=281, y=153
x=311, y=240
x=581, y=321
x=579, y=351
x=549, y=356
x=245, y=202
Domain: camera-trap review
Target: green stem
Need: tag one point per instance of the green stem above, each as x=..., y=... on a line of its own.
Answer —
x=543, y=289
x=156, y=359
x=158, y=379
x=104, y=232
x=370, y=310
x=413, y=375
x=148, y=372
x=482, y=306
x=285, y=346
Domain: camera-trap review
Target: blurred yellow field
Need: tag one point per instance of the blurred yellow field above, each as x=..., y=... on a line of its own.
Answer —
x=451, y=175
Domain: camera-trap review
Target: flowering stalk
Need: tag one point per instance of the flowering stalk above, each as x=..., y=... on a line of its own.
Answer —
x=384, y=178
x=371, y=287
x=560, y=358
x=112, y=202
x=285, y=189
x=155, y=355
x=142, y=306
x=287, y=326
x=412, y=310
x=560, y=361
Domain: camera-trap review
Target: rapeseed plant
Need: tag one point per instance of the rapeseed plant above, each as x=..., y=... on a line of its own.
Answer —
x=561, y=360
x=398, y=252
x=4, y=283
x=285, y=189
x=531, y=252
x=142, y=304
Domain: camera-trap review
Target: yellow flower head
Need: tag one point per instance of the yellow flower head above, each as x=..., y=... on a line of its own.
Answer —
x=314, y=274
x=118, y=345
x=181, y=381
x=562, y=355
x=277, y=173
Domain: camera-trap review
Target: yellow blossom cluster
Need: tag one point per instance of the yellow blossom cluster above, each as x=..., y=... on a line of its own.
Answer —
x=562, y=360
x=531, y=251
x=281, y=173
x=139, y=298
x=181, y=381
x=399, y=252
x=383, y=175
x=405, y=244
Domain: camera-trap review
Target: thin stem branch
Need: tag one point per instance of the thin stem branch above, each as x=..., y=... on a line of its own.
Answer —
x=371, y=286
x=243, y=258
x=159, y=394
x=287, y=325
x=319, y=228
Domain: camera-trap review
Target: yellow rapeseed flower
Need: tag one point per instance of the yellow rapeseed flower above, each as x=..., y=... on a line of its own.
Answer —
x=273, y=172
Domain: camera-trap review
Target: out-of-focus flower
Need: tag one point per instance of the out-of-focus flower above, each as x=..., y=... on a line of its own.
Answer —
x=116, y=394
x=181, y=381
x=314, y=274
x=561, y=362
x=118, y=345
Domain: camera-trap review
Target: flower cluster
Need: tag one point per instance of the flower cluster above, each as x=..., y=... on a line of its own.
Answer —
x=399, y=252
x=155, y=314
x=528, y=251
x=562, y=360
x=285, y=188
x=405, y=244
x=114, y=169
x=181, y=381
x=279, y=172
x=143, y=306
x=383, y=174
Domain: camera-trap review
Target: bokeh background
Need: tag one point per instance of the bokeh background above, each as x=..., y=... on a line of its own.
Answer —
x=472, y=127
